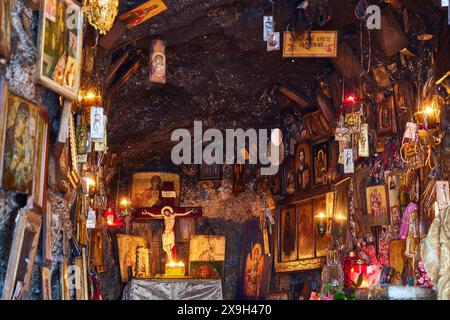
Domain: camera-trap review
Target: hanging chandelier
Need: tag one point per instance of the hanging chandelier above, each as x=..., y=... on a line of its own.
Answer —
x=101, y=13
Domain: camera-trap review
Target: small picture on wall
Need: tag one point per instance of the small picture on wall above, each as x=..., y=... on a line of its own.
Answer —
x=320, y=163
x=305, y=231
x=377, y=206
x=289, y=176
x=302, y=167
x=19, y=135
x=386, y=116
x=288, y=235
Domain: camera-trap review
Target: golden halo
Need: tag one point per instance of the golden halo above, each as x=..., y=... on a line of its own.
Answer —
x=168, y=208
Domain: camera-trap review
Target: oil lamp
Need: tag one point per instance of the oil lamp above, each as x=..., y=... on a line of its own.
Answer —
x=88, y=185
x=428, y=117
x=353, y=267
x=124, y=207
x=322, y=223
x=351, y=99
x=101, y=13
x=110, y=217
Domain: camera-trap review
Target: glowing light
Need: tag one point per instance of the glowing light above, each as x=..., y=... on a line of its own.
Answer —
x=175, y=264
x=124, y=202
x=351, y=98
x=321, y=216
x=429, y=110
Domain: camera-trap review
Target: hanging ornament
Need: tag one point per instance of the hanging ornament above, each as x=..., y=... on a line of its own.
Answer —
x=101, y=13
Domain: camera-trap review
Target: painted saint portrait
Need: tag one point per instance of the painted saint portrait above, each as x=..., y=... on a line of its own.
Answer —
x=288, y=235
x=302, y=167
x=5, y=29
x=305, y=231
x=127, y=246
x=142, y=13
x=289, y=176
x=254, y=268
x=320, y=163
x=60, y=46
x=377, y=206
x=238, y=178
x=158, y=62
x=146, y=191
x=254, y=274
x=386, y=116
x=20, y=145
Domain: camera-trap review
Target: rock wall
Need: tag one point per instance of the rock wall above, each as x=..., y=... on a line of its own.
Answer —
x=21, y=74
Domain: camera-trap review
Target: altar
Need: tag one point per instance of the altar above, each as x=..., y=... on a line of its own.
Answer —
x=173, y=289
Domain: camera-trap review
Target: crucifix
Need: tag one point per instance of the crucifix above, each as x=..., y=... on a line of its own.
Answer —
x=168, y=213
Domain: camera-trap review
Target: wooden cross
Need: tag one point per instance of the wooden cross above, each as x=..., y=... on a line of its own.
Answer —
x=169, y=212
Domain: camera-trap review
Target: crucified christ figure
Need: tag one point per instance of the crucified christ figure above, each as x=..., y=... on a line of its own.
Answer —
x=168, y=237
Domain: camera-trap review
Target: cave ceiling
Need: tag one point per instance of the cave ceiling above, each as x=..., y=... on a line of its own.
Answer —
x=218, y=71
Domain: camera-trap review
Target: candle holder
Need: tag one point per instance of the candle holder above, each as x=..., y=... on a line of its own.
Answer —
x=321, y=224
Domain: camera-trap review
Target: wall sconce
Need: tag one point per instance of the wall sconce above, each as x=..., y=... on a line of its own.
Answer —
x=321, y=224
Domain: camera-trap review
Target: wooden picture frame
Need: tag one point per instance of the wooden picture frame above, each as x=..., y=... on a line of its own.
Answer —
x=60, y=43
x=21, y=258
x=317, y=126
x=255, y=265
x=377, y=213
x=3, y=119
x=339, y=221
x=393, y=185
x=238, y=178
x=185, y=228
x=46, y=279
x=127, y=245
x=303, y=167
x=289, y=175
x=18, y=144
x=386, y=121
x=47, y=232
x=41, y=158
x=207, y=251
x=142, y=263
x=146, y=188
x=288, y=232
x=319, y=153
x=211, y=171
x=5, y=29
x=305, y=230
x=309, y=255
x=158, y=64
x=142, y=13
